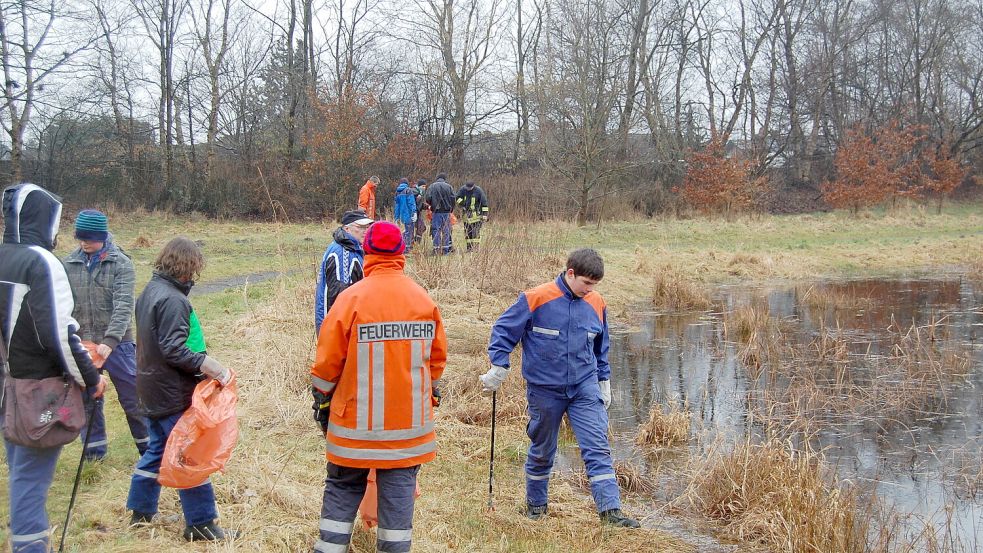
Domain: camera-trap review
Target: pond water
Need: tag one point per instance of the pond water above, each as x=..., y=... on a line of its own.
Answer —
x=885, y=378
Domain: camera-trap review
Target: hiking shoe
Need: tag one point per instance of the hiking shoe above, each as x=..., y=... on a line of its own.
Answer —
x=615, y=517
x=208, y=532
x=536, y=512
x=139, y=518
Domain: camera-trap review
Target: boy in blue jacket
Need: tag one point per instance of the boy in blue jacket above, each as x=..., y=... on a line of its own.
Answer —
x=563, y=328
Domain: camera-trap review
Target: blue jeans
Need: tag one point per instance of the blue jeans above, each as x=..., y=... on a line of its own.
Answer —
x=589, y=420
x=408, y=230
x=343, y=491
x=31, y=472
x=122, y=368
x=440, y=228
x=197, y=503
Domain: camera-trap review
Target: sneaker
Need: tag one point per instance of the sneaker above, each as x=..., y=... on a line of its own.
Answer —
x=536, y=512
x=208, y=532
x=139, y=518
x=615, y=517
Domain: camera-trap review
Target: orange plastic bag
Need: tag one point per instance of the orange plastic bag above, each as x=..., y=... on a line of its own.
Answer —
x=369, y=507
x=203, y=438
x=91, y=347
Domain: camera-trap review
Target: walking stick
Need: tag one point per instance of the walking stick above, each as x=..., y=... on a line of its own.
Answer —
x=491, y=463
x=78, y=473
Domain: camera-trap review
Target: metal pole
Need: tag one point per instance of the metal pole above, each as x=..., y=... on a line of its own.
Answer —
x=491, y=463
x=78, y=473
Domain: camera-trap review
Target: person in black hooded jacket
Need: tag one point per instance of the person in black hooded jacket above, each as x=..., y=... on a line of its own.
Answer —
x=171, y=360
x=36, y=314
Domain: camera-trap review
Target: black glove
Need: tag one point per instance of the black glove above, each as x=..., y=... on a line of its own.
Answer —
x=322, y=411
x=435, y=392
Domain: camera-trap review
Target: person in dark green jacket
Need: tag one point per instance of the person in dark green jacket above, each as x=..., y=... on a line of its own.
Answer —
x=171, y=360
x=102, y=282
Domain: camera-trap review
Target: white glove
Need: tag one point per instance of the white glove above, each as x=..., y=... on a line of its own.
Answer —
x=605, y=386
x=214, y=369
x=492, y=380
x=414, y=218
x=104, y=350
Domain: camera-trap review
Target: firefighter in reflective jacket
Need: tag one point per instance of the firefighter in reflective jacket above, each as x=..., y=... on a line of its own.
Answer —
x=474, y=210
x=375, y=375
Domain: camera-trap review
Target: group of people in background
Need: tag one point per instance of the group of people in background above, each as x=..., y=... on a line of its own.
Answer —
x=416, y=203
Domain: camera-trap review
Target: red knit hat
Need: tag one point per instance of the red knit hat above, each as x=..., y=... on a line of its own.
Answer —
x=383, y=238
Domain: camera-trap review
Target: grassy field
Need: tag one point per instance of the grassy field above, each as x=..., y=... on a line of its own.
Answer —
x=272, y=489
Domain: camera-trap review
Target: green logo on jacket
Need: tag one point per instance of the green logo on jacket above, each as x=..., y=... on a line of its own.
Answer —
x=196, y=338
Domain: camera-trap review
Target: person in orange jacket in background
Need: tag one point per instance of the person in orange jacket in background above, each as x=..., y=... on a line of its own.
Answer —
x=366, y=197
x=375, y=382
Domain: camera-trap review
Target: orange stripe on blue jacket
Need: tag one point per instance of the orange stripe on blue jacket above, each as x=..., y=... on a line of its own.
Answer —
x=564, y=338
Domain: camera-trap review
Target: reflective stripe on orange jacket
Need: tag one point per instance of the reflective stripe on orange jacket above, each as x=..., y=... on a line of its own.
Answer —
x=379, y=350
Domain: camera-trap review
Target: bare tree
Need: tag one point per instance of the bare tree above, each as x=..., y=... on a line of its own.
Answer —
x=581, y=75
x=31, y=55
x=162, y=20
x=214, y=37
x=462, y=34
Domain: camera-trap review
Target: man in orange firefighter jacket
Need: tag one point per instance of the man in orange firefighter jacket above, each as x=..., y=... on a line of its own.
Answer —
x=375, y=384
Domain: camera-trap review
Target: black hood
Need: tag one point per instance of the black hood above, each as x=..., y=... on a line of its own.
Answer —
x=31, y=216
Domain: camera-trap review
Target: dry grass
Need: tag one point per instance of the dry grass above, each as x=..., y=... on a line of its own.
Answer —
x=772, y=494
x=665, y=429
x=832, y=298
x=813, y=383
x=141, y=242
x=672, y=291
x=630, y=478
x=758, y=337
x=830, y=347
x=274, y=482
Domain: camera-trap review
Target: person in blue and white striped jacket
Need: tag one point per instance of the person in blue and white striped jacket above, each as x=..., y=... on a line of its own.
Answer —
x=341, y=265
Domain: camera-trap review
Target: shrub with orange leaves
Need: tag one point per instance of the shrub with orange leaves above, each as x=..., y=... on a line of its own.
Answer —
x=408, y=155
x=945, y=175
x=872, y=167
x=716, y=183
x=341, y=148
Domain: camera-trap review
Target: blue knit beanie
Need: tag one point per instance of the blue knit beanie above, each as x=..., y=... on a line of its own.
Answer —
x=92, y=225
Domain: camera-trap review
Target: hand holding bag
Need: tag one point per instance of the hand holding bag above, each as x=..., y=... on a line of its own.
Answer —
x=40, y=413
x=203, y=438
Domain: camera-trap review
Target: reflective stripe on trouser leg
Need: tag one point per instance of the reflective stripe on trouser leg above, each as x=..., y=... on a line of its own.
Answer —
x=98, y=444
x=197, y=504
x=31, y=471
x=397, y=494
x=545, y=413
x=343, y=491
x=472, y=233
x=589, y=421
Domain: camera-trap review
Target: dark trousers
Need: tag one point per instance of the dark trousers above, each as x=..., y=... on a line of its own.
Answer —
x=440, y=229
x=472, y=234
x=408, y=229
x=343, y=491
x=122, y=368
